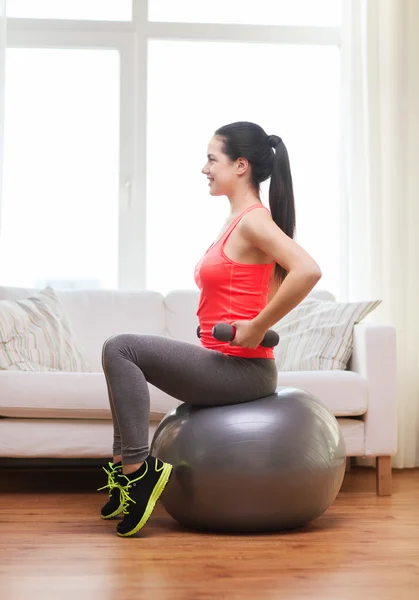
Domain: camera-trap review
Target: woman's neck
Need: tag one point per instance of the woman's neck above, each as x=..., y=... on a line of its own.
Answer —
x=242, y=199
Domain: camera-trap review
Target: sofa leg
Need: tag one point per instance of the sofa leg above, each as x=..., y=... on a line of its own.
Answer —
x=348, y=464
x=384, y=475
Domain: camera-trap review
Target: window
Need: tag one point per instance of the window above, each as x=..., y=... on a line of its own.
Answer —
x=106, y=10
x=262, y=12
x=194, y=88
x=60, y=191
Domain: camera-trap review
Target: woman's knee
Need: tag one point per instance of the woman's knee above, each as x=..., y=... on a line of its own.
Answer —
x=113, y=345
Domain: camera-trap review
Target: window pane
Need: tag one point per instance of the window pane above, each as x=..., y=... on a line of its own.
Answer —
x=93, y=10
x=262, y=12
x=61, y=171
x=194, y=88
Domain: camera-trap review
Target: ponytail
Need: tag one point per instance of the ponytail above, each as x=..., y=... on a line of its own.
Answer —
x=281, y=195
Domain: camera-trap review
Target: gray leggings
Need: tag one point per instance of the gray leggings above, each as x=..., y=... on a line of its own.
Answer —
x=186, y=371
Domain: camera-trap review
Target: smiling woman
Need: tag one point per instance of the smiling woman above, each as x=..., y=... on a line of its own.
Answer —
x=221, y=371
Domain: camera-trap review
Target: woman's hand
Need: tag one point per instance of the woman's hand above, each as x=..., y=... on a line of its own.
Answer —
x=248, y=334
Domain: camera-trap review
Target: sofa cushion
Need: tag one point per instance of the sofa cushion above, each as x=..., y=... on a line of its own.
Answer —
x=65, y=395
x=85, y=396
x=36, y=335
x=318, y=334
x=345, y=393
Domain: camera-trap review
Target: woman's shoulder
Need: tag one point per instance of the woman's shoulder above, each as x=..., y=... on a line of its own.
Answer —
x=255, y=219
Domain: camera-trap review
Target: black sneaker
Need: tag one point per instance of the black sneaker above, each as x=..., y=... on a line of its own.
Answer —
x=114, y=505
x=139, y=493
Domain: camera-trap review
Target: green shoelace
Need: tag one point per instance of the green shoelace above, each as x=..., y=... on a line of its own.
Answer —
x=112, y=484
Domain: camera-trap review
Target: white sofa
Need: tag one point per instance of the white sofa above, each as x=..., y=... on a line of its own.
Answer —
x=67, y=415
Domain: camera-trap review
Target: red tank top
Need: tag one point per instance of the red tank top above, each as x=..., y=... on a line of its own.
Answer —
x=230, y=291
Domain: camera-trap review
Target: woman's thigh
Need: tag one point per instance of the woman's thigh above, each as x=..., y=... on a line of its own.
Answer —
x=192, y=373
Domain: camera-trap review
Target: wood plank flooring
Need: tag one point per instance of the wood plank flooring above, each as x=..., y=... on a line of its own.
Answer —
x=54, y=546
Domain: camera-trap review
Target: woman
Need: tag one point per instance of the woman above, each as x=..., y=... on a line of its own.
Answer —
x=251, y=276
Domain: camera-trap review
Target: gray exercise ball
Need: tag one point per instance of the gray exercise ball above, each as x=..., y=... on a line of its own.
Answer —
x=270, y=464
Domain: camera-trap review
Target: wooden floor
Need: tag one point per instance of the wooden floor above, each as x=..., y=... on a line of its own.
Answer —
x=54, y=546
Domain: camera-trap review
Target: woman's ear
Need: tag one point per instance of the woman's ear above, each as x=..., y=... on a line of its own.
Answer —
x=242, y=164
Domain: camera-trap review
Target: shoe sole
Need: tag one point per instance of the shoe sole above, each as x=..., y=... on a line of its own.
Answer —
x=114, y=514
x=155, y=495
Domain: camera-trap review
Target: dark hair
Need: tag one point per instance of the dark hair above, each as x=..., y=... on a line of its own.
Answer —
x=250, y=141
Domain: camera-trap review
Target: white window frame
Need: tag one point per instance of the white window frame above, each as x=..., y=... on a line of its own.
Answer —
x=131, y=40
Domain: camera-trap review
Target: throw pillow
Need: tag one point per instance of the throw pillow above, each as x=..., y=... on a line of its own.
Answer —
x=318, y=334
x=36, y=335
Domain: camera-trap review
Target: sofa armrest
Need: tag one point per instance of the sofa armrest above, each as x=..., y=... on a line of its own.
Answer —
x=374, y=357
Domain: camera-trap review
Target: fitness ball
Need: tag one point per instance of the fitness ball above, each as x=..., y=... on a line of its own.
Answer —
x=270, y=464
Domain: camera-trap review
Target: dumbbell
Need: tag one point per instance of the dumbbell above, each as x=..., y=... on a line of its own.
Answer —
x=224, y=332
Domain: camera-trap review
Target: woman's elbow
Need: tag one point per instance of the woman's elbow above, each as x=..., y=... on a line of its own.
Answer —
x=310, y=272
x=314, y=274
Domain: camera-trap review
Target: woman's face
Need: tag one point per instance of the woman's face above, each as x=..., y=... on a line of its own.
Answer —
x=219, y=169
